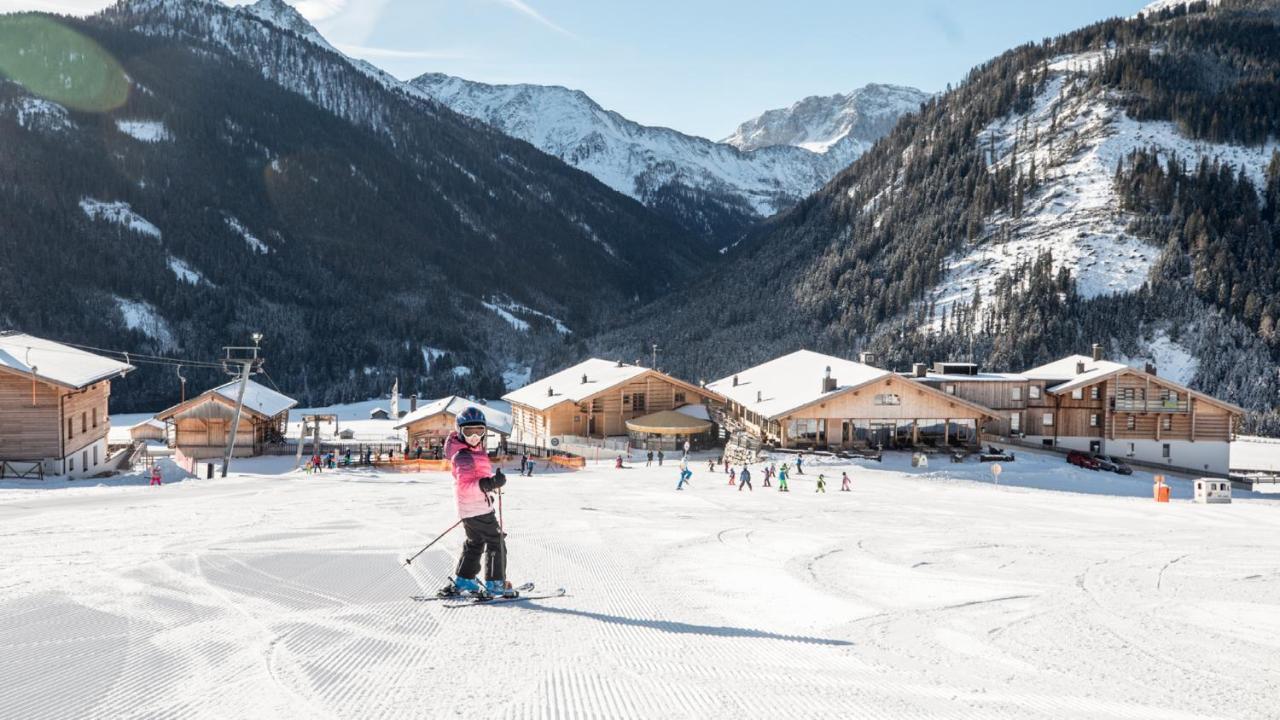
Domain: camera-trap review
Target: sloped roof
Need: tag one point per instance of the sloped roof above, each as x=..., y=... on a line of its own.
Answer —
x=793, y=381
x=567, y=385
x=668, y=422
x=1099, y=374
x=56, y=363
x=258, y=399
x=452, y=404
x=1065, y=368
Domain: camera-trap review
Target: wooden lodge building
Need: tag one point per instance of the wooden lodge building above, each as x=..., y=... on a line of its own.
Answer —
x=429, y=425
x=53, y=406
x=809, y=400
x=200, y=426
x=1095, y=405
x=595, y=398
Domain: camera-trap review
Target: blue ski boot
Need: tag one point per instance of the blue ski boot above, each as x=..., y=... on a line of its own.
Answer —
x=461, y=586
x=499, y=588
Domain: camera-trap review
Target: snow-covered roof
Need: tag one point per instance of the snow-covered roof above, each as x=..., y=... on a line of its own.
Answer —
x=258, y=398
x=56, y=363
x=452, y=404
x=980, y=377
x=695, y=410
x=1067, y=368
x=793, y=381
x=567, y=385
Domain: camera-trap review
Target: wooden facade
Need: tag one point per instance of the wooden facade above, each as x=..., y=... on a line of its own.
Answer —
x=64, y=428
x=887, y=412
x=604, y=413
x=201, y=426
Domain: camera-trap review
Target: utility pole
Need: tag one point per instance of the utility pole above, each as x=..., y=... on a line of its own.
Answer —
x=654, y=363
x=249, y=362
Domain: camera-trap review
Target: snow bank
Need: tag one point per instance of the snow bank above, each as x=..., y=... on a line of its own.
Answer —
x=120, y=213
x=147, y=131
x=39, y=114
x=505, y=308
x=253, y=242
x=184, y=272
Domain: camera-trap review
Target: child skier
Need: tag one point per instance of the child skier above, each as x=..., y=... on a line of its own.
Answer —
x=844, y=482
x=744, y=479
x=800, y=464
x=156, y=477
x=782, y=479
x=473, y=479
x=685, y=474
x=732, y=473
x=768, y=472
x=822, y=484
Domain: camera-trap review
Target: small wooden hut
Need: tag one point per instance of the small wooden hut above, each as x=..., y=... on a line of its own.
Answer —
x=201, y=424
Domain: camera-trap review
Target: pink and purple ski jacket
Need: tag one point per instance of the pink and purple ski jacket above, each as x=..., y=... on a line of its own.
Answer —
x=469, y=467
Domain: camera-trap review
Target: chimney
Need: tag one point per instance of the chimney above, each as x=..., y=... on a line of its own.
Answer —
x=584, y=378
x=759, y=396
x=920, y=369
x=867, y=358
x=1080, y=366
x=735, y=381
x=619, y=363
x=551, y=392
x=828, y=382
x=413, y=402
x=1149, y=368
x=1097, y=352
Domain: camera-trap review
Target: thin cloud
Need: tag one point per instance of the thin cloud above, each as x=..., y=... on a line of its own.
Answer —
x=365, y=51
x=524, y=9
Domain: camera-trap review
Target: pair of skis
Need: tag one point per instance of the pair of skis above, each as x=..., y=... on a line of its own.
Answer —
x=487, y=599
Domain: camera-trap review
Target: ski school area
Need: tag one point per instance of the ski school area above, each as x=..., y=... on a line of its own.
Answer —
x=920, y=592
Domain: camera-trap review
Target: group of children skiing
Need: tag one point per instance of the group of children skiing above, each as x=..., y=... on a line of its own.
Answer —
x=743, y=479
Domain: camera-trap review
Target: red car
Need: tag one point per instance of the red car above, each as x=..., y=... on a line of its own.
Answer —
x=1080, y=459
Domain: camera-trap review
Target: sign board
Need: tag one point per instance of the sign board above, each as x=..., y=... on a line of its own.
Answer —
x=555, y=442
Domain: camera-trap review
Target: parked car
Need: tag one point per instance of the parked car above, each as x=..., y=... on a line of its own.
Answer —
x=995, y=454
x=1079, y=459
x=1104, y=463
x=1117, y=465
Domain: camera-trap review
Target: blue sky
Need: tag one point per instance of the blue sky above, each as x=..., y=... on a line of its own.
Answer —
x=700, y=66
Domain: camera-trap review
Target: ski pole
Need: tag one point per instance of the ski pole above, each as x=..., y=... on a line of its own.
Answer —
x=433, y=542
x=501, y=527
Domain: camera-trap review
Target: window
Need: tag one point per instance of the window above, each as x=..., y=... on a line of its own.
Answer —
x=1015, y=393
x=1077, y=394
x=84, y=459
x=1015, y=422
x=1095, y=392
x=1131, y=423
x=71, y=464
x=69, y=428
x=84, y=422
x=577, y=419
x=1093, y=420
x=1033, y=392
x=597, y=405
x=1047, y=420
x=888, y=399
x=951, y=389
x=95, y=420
x=1166, y=423
x=637, y=402
x=95, y=456
x=678, y=398
x=1164, y=450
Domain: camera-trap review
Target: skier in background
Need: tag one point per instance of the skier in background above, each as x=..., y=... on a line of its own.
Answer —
x=768, y=473
x=782, y=479
x=800, y=464
x=744, y=480
x=660, y=458
x=822, y=484
x=648, y=459
x=844, y=482
x=156, y=477
x=473, y=479
x=685, y=474
x=732, y=474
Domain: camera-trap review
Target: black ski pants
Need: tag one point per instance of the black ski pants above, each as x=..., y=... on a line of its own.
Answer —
x=484, y=538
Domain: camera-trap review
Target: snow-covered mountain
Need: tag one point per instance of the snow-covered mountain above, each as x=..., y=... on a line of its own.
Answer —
x=841, y=127
x=655, y=164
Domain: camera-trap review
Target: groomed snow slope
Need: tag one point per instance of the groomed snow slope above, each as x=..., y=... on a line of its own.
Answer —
x=918, y=594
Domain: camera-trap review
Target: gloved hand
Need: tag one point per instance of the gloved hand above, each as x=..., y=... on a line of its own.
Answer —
x=493, y=482
x=498, y=478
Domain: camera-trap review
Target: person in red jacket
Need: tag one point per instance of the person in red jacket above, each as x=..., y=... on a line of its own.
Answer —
x=474, y=477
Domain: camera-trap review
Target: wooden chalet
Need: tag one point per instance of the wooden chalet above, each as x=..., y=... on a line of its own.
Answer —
x=1094, y=405
x=53, y=407
x=429, y=425
x=811, y=400
x=595, y=399
x=200, y=426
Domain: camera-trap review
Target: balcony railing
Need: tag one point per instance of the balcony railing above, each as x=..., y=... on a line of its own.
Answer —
x=1152, y=406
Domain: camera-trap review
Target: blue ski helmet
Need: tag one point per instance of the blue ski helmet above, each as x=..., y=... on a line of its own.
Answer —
x=471, y=416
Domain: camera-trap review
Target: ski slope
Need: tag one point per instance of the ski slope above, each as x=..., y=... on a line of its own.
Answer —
x=921, y=593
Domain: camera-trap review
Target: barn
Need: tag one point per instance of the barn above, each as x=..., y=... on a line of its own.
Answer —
x=200, y=426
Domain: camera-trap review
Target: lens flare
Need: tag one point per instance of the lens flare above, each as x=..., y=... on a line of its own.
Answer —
x=59, y=64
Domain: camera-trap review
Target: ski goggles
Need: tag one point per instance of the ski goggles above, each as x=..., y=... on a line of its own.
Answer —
x=474, y=431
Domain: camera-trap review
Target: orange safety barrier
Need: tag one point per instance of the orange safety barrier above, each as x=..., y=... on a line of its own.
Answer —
x=574, y=463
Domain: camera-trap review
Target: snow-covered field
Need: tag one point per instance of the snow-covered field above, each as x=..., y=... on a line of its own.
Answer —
x=921, y=593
